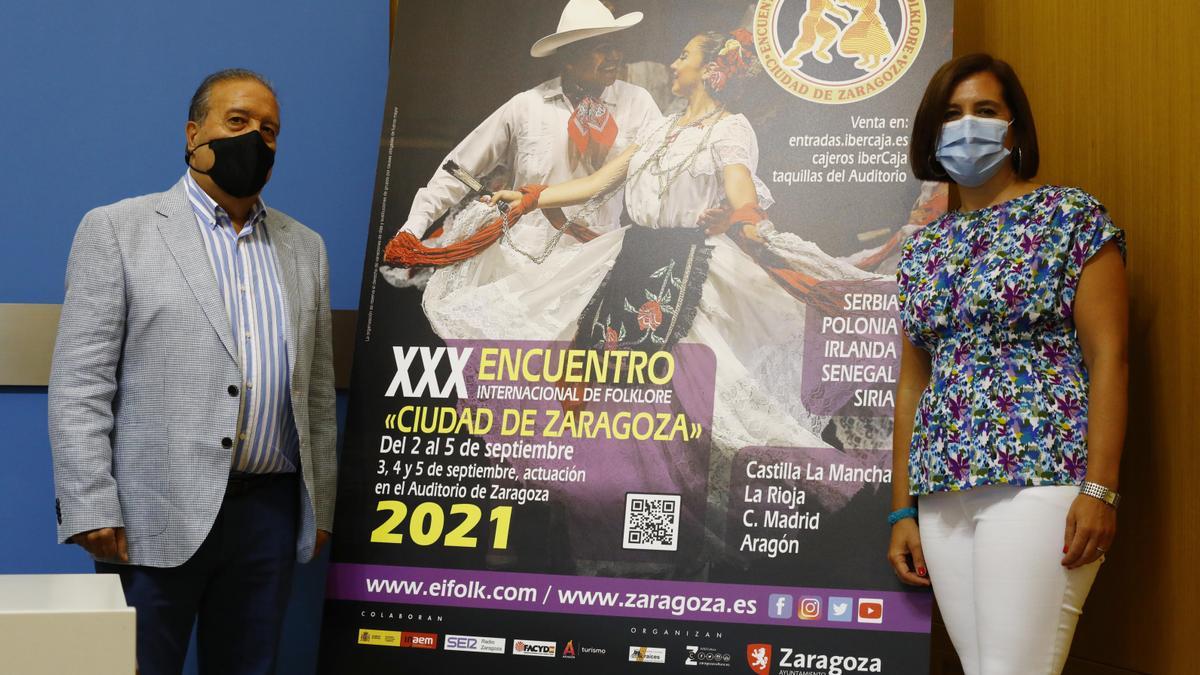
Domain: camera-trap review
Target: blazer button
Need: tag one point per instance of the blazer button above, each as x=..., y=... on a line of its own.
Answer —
x=227, y=442
x=233, y=390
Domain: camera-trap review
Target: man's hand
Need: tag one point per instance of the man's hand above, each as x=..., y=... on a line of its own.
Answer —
x=322, y=539
x=510, y=197
x=106, y=543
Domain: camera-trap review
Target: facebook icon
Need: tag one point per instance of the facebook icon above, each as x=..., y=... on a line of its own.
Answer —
x=780, y=606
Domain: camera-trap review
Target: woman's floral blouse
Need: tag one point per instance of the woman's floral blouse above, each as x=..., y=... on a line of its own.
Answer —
x=990, y=295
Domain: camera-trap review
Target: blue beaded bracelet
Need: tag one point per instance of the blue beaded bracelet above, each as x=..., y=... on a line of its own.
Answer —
x=900, y=514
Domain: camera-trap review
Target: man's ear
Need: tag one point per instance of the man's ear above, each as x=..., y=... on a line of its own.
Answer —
x=189, y=134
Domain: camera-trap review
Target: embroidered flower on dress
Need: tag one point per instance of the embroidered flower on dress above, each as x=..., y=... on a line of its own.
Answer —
x=649, y=315
x=611, y=338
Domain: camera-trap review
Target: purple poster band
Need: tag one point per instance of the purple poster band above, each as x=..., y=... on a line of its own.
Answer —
x=849, y=609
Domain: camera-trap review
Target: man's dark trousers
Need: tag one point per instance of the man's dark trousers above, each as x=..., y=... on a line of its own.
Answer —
x=237, y=584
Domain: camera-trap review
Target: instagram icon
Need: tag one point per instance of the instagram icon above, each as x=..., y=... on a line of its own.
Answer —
x=809, y=609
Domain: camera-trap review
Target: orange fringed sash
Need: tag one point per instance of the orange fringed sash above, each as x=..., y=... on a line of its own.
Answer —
x=803, y=287
x=405, y=250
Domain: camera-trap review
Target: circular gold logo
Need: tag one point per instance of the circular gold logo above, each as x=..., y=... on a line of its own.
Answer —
x=838, y=51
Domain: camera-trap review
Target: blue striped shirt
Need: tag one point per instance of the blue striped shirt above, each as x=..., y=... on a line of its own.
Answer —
x=248, y=280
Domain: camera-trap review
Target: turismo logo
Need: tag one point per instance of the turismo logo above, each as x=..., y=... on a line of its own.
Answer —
x=474, y=643
x=870, y=610
x=706, y=656
x=841, y=609
x=647, y=654
x=810, y=609
x=758, y=657
x=568, y=652
x=535, y=648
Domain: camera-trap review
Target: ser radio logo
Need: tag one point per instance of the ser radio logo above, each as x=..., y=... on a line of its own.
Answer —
x=838, y=51
x=474, y=643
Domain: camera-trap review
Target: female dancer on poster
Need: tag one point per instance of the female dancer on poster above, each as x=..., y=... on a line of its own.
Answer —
x=665, y=278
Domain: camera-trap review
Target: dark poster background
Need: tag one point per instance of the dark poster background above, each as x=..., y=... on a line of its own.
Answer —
x=452, y=65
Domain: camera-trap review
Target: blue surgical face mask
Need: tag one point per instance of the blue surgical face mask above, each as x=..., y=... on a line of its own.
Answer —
x=972, y=149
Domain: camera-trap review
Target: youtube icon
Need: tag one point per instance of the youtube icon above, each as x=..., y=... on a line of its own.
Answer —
x=870, y=610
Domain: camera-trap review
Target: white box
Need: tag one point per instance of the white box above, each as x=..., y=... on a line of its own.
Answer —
x=51, y=624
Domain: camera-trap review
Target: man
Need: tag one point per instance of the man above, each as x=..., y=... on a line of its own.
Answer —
x=192, y=415
x=561, y=129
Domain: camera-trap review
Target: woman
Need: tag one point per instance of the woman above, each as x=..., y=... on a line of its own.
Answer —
x=1010, y=406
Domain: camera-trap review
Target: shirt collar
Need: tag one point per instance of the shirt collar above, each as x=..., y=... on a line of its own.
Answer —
x=553, y=89
x=209, y=212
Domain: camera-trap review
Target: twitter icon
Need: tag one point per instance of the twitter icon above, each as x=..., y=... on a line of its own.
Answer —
x=841, y=609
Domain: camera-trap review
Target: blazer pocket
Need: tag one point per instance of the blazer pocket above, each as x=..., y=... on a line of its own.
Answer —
x=141, y=465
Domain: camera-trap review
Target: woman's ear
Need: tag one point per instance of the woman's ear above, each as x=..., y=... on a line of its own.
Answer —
x=711, y=75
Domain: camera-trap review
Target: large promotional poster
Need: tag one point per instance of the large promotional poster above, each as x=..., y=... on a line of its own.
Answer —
x=628, y=339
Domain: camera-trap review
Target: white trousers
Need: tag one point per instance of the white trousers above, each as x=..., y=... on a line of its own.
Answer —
x=994, y=555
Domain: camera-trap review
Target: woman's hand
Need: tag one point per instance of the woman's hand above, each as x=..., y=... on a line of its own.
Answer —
x=510, y=197
x=908, y=561
x=714, y=217
x=1091, y=528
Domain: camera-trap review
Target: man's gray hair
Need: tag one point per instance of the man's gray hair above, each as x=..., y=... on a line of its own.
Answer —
x=198, y=109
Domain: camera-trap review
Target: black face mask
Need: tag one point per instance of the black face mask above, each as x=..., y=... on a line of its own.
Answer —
x=240, y=163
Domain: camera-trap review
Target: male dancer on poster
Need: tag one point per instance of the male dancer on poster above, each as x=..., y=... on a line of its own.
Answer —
x=561, y=129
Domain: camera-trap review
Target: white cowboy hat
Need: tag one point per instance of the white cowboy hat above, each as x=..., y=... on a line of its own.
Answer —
x=582, y=19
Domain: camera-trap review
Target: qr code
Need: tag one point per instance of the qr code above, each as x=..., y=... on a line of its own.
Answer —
x=651, y=522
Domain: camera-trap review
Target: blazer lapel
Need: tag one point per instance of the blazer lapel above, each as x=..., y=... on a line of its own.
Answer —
x=285, y=262
x=182, y=235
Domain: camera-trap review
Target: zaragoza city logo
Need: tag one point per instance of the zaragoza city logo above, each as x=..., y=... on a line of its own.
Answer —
x=838, y=51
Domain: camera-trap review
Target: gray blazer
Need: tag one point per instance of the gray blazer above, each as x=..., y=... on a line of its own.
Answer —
x=139, y=388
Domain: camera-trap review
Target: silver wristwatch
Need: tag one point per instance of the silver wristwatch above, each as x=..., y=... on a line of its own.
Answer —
x=1100, y=492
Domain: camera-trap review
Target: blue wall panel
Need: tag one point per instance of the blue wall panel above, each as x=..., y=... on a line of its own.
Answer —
x=93, y=100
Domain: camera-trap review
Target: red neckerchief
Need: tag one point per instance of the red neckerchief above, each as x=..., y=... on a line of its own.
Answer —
x=592, y=129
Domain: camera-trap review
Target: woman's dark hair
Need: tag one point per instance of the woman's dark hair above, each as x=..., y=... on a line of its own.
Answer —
x=711, y=44
x=930, y=116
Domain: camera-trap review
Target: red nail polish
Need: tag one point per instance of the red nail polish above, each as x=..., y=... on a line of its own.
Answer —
x=921, y=571
x=1066, y=548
